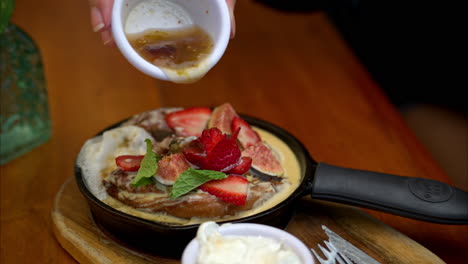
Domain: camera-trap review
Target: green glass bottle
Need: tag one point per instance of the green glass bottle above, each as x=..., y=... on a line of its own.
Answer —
x=24, y=111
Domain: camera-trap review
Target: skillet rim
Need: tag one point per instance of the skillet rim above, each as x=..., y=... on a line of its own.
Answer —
x=306, y=163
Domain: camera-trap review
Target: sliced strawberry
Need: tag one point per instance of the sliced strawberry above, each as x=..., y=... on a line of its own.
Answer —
x=129, y=162
x=242, y=167
x=211, y=137
x=189, y=121
x=232, y=189
x=170, y=167
x=263, y=159
x=214, y=150
x=194, y=153
x=222, y=118
x=247, y=136
x=224, y=155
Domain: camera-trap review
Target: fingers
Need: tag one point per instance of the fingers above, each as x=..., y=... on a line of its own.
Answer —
x=101, y=13
x=96, y=19
x=231, y=4
x=106, y=37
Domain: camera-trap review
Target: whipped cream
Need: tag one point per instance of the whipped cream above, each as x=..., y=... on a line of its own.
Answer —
x=218, y=249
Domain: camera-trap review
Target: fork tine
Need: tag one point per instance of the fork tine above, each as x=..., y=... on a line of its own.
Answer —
x=346, y=259
x=322, y=261
x=333, y=249
x=330, y=246
x=331, y=254
x=342, y=259
x=324, y=251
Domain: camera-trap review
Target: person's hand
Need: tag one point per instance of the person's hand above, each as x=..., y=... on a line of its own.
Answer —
x=101, y=13
x=231, y=4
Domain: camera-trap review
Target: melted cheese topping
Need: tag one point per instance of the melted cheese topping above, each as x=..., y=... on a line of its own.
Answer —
x=292, y=174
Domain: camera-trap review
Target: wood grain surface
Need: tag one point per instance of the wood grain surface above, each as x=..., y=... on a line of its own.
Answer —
x=80, y=236
x=293, y=70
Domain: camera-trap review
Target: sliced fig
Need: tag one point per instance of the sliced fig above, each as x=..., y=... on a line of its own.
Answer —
x=263, y=159
x=170, y=167
x=221, y=118
x=266, y=177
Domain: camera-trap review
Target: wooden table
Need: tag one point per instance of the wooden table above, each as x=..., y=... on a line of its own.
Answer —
x=293, y=70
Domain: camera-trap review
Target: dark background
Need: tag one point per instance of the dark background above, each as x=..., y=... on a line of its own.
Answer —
x=413, y=49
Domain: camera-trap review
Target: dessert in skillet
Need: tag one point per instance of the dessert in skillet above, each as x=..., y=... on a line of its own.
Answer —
x=183, y=166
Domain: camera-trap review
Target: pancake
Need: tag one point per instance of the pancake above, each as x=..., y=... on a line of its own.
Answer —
x=112, y=186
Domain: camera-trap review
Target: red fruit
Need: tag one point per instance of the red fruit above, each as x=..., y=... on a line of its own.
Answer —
x=170, y=167
x=189, y=121
x=247, y=136
x=263, y=159
x=242, y=167
x=232, y=189
x=222, y=118
x=224, y=155
x=211, y=137
x=129, y=162
x=214, y=151
x=194, y=153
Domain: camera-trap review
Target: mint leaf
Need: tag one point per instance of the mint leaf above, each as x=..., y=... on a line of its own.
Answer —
x=191, y=179
x=148, y=167
x=145, y=181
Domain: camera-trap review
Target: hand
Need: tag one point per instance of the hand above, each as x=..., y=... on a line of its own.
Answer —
x=101, y=13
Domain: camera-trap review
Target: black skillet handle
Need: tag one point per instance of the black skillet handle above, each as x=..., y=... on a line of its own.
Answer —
x=417, y=198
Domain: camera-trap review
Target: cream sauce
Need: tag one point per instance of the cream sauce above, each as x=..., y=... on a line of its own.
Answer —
x=292, y=173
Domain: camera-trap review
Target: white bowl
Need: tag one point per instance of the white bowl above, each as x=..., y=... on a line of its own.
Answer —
x=190, y=253
x=211, y=15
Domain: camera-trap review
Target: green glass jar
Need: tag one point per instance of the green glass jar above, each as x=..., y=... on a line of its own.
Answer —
x=24, y=111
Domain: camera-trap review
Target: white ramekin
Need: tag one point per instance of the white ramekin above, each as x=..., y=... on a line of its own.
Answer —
x=190, y=253
x=210, y=15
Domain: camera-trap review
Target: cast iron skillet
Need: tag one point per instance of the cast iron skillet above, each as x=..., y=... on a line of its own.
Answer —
x=417, y=198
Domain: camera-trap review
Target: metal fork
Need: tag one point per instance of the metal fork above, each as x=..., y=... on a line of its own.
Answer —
x=331, y=254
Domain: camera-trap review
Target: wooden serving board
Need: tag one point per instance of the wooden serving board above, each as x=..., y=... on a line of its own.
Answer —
x=79, y=235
